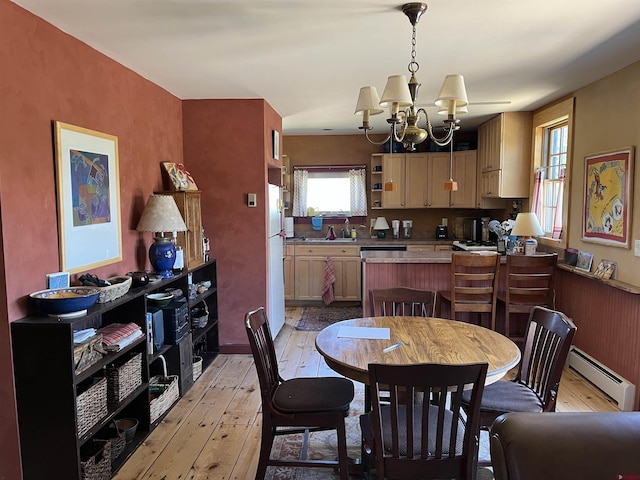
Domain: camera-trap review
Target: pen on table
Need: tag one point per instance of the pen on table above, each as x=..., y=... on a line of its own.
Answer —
x=392, y=347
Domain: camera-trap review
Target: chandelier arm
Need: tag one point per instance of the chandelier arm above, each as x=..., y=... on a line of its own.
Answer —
x=366, y=134
x=396, y=137
x=441, y=142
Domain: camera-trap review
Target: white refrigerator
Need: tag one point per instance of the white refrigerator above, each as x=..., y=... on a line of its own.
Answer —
x=275, y=264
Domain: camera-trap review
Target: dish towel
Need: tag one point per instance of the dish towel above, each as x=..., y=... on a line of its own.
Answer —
x=329, y=279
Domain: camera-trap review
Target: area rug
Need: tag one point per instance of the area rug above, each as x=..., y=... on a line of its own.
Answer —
x=314, y=319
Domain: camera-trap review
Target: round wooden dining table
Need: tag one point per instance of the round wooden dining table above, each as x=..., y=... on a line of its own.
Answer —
x=422, y=340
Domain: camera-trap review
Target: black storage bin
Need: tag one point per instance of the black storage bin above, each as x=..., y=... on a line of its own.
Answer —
x=176, y=321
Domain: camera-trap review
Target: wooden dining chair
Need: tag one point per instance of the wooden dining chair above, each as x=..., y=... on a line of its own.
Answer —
x=298, y=405
x=421, y=433
x=402, y=301
x=534, y=389
x=473, y=285
x=529, y=282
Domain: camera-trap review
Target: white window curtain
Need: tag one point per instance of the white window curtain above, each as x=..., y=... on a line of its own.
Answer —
x=557, y=217
x=358, y=188
x=300, y=178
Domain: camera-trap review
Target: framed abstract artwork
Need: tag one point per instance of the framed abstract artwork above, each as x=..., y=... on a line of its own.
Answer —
x=88, y=190
x=607, y=197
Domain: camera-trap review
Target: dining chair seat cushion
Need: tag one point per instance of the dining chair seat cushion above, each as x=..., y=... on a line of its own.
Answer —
x=317, y=394
x=507, y=396
x=417, y=422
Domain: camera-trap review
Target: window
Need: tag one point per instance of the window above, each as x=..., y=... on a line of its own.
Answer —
x=554, y=166
x=330, y=191
x=551, y=158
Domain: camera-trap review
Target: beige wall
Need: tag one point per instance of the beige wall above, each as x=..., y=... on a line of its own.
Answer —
x=607, y=116
x=355, y=150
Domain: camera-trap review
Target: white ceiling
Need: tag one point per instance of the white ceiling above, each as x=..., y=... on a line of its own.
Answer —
x=308, y=59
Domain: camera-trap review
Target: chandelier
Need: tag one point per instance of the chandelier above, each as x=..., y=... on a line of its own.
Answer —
x=400, y=97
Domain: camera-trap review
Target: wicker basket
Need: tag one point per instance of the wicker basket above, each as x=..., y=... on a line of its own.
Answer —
x=200, y=315
x=95, y=460
x=91, y=406
x=87, y=353
x=197, y=367
x=119, y=286
x=116, y=437
x=166, y=390
x=124, y=379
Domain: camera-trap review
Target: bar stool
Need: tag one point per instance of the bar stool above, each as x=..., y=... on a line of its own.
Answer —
x=474, y=281
x=529, y=283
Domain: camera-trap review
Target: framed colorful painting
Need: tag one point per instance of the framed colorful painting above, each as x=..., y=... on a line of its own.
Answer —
x=88, y=191
x=607, y=197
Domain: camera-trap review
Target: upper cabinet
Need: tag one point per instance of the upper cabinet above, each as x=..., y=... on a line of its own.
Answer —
x=419, y=180
x=504, y=156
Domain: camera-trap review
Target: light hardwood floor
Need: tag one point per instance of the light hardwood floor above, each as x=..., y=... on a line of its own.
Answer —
x=213, y=432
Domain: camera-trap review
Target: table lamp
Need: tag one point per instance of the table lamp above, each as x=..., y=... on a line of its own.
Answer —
x=381, y=225
x=527, y=225
x=161, y=215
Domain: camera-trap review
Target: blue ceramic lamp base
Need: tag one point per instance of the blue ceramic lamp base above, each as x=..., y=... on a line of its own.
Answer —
x=162, y=255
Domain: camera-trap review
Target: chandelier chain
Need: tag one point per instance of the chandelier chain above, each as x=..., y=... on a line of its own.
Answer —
x=413, y=65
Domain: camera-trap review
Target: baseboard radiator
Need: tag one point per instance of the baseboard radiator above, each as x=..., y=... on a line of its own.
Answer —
x=619, y=389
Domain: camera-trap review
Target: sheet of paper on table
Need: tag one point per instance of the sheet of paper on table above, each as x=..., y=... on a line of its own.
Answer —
x=364, y=332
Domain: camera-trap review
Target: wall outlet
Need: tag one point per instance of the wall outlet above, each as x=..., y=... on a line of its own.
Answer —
x=636, y=248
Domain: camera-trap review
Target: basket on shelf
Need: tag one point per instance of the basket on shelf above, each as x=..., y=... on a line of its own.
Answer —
x=200, y=315
x=95, y=460
x=197, y=367
x=124, y=379
x=116, y=437
x=164, y=392
x=87, y=353
x=91, y=405
x=119, y=286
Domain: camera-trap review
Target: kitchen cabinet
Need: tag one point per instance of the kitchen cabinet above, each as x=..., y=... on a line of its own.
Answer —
x=188, y=202
x=420, y=179
x=429, y=248
x=464, y=172
x=504, y=156
x=393, y=171
x=54, y=399
x=309, y=267
x=289, y=273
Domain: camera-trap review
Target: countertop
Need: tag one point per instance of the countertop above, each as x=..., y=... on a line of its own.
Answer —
x=367, y=241
x=413, y=257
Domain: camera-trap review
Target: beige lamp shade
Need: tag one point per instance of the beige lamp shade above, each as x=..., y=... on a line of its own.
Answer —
x=161, y=214
x=396, y=91
x=527, y=225
x=381, y=224
x=368, y=102
x=452, y=89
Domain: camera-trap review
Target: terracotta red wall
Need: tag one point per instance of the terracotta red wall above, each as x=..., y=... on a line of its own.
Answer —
x=227, y=145
x=48, y=75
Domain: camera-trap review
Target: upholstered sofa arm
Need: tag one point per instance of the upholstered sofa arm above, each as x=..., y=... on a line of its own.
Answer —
x=560, y=446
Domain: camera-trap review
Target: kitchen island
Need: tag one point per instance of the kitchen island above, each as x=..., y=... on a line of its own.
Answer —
x=423, y=270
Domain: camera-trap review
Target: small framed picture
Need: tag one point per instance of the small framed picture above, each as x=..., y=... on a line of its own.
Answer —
x=605, y=269
x=276, y=144
x=584, y=261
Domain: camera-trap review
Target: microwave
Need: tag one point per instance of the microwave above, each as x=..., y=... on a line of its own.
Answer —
x=472, y=229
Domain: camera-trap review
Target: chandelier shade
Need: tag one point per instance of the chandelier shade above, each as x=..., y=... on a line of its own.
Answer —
x=396, y=92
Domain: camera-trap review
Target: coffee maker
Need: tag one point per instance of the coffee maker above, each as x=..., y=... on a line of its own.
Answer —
x=407, y=228
x=395, y=224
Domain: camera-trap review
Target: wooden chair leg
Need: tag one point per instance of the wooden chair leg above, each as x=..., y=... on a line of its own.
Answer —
x=266, y=443
x=342, y=451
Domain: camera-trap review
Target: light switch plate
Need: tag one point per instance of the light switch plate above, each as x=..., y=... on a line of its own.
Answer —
x=251, y=200
x=636, y=248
